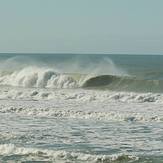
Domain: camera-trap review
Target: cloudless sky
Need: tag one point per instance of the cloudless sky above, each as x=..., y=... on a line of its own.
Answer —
x=81, y=26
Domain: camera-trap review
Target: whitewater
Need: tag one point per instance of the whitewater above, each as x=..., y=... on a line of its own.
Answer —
x=81, y=108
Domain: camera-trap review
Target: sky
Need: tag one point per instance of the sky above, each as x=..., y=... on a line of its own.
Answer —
x=81, y=26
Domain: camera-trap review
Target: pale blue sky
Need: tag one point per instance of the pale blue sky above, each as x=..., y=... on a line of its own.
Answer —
x=82, y=26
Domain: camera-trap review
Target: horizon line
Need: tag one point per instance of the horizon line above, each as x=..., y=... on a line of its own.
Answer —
x=80, y=53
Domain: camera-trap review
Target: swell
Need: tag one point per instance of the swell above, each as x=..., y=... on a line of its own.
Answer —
x=50, y=78
x=123, y=83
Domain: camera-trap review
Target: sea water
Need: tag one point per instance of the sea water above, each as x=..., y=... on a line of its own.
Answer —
x=81, y=108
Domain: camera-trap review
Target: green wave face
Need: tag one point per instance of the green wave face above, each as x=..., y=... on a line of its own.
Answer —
x=119, y=83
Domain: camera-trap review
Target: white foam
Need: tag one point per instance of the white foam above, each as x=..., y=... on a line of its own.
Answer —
x=37, y=77
x=25, y=75
x=51, y=155
x=78, y=95
x=78, y=114
x=82, y=104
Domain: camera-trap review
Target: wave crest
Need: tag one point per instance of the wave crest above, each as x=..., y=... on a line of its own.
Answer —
x=49, y=78
x=38, y=77
x=63, y=156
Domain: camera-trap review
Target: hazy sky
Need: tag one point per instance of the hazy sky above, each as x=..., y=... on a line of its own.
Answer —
x=82, y=26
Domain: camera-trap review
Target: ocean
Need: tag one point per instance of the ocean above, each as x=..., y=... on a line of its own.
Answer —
x=81, y=108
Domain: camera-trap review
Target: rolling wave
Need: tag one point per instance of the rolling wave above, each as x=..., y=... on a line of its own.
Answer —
x=45, y=155
x=123, y=83
x=37, y=77
x=49, y=78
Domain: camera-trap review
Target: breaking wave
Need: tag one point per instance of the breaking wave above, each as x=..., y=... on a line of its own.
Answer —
x=35, y=154
x=37, y=77
x=123, y=83
x=49, y=78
